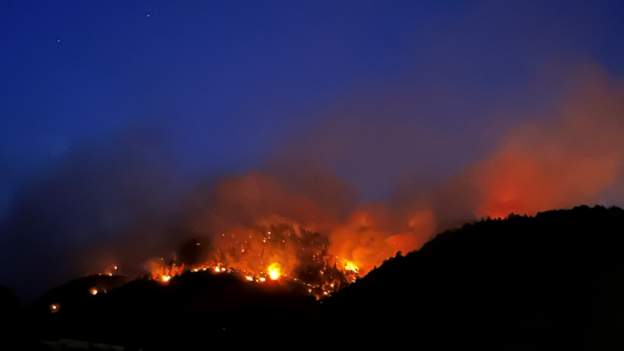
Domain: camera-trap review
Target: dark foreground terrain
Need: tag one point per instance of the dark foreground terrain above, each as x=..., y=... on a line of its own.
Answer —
x=550, y=282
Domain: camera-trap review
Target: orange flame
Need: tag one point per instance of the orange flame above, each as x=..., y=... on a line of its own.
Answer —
x=162, y=272
x=274, y=270
x=351, y=266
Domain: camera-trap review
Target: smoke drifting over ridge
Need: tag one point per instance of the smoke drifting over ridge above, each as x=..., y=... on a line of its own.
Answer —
x=129, y=194
x=573, y=158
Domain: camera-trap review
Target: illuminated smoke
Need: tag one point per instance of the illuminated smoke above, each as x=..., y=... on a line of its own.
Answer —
x=302, y=214
x=572, y=157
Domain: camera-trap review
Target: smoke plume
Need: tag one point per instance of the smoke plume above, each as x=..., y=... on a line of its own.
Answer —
x=124, y=204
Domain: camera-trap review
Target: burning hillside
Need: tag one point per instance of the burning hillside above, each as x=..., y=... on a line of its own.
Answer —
x=266, y=231
x=264, y=256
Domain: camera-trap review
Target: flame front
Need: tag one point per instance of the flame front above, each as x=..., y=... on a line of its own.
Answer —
x=280, y=254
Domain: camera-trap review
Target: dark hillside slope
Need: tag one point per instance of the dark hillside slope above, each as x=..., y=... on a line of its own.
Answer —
x=553, y=281
x=194, y=310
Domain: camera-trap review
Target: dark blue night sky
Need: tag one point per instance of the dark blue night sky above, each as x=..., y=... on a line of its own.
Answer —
x=230, y=79
x=422, y=86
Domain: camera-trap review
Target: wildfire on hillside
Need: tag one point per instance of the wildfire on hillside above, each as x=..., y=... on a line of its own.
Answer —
x=263, y=231
x=276, y=256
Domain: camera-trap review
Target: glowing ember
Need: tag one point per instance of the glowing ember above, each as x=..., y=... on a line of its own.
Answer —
x=274, y=270
x=165, y=278
x=249, y=278
x=218, y=269
x=93, y=291
x=111, y=270
x=55, y=307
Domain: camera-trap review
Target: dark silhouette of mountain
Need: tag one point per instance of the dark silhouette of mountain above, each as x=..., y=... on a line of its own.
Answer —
x=11, y=315
x=553, y=281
